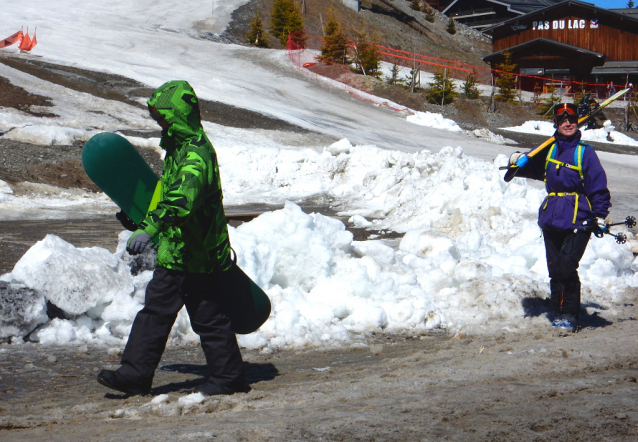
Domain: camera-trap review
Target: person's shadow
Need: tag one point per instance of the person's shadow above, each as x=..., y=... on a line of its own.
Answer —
x=254, y=373
x=534, y=307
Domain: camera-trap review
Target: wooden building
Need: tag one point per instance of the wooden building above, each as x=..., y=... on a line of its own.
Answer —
x=480, y=14
x=573, y=41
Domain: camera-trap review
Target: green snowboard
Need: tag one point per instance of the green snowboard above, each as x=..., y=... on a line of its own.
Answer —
x=116, y=167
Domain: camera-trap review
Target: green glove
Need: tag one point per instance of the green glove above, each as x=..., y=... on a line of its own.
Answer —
x=138, y=242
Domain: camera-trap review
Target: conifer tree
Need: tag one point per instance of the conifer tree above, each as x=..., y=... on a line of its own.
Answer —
x=366, y=56
x=256, y=35
x=334, y=48
x=286, y=19
x=470, y=89
x=630, y=4
x=441, y=90
x=429, y=13
x=549, y=102
x=506, y=80
x=451, y=26
x=538, y=90
x=394, y=74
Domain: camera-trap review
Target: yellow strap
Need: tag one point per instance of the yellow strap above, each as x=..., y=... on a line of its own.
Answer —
x=577, y=195
x=561, y=164
x=580, y=161
x=578, y=168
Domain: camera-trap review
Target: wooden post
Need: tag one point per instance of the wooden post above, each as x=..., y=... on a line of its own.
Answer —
x=416, y=78
x=492, y=106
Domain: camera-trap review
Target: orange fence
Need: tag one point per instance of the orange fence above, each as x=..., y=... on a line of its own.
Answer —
x=26, y=43
x=335, y=74
x=462, y=69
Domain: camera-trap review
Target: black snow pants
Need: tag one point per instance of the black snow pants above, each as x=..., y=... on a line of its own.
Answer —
x=564, y=249
x=166, y=293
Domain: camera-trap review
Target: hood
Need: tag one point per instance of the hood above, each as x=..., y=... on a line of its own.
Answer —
x=177, y=102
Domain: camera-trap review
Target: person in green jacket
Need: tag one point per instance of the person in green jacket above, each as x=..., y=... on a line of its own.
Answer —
x=189, y=226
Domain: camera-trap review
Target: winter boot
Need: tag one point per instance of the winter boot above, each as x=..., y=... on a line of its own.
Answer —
x=115, y=380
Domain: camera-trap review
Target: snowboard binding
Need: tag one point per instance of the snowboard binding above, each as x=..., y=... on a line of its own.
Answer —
x=589, y=106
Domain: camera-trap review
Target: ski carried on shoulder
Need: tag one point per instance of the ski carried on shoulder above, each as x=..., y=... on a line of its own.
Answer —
x=592, y=111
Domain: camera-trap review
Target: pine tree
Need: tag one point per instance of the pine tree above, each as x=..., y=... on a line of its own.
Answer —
x=441, y=90
x=334, y=48
x=286, y=19
x=630, y=4
x=394, y=74
x=256, y=35
x=548, y=104
x=366, y=56
x=451, y=26
x=538, y=90
x=506, y=80
x=429, y=13
x=470, y=88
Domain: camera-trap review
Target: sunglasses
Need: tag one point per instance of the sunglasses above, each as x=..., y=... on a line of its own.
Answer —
x=573, y=119
x=155, y=115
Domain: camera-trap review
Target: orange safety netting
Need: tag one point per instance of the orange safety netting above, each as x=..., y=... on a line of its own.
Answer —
x=34, y=41
x=11, y=39
x=483, y=74
x=26, y=41
x=339, y=75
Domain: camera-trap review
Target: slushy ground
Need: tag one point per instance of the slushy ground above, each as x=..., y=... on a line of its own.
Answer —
x=523, y=387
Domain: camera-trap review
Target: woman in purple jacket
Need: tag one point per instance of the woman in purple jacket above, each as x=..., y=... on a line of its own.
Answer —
x=576, y=205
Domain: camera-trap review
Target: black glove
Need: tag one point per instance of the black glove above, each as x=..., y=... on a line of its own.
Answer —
x=599, y=227
x=127, y=222
x=138, y=242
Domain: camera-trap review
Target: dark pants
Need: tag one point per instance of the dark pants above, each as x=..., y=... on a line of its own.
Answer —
x=166, y=293
x=564, y=249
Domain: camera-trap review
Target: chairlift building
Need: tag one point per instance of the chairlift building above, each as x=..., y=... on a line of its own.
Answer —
x=480, y=14
x=571, y=41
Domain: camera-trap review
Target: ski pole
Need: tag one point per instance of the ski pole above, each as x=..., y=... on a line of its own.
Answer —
x=620, y=237
x=630, y=222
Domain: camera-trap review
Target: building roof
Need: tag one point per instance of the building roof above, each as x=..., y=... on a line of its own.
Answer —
x=629, y=20
x=616, y=67
x=567, y=48
x=518, y=6
x=488, y=13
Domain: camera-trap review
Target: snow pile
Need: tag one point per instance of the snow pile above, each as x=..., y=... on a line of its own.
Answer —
x=489, y=136
x=471, y=258
x=5, y=192
x=433, y=120
x=599, y=135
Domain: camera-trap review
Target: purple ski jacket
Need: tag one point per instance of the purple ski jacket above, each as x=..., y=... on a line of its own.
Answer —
x=565, y=187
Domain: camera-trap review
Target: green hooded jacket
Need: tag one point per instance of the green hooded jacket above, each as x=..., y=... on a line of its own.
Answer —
x=189, y=222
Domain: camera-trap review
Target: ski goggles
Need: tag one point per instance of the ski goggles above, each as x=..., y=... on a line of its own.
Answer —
x=565, y=110
x=155, y=115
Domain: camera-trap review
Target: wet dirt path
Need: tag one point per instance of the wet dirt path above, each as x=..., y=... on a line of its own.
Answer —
x=525, y=387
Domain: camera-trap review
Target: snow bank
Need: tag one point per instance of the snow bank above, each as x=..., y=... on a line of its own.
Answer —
x=471, y=258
